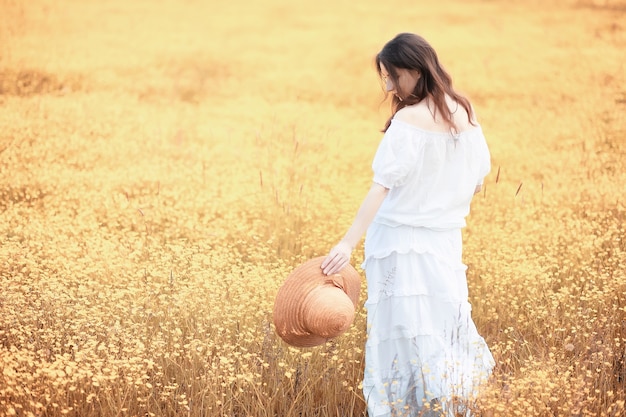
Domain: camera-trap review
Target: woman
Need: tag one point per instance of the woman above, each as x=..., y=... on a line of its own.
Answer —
x=423, y=351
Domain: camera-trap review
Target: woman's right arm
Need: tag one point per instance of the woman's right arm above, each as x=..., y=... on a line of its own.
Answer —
x=339, y=255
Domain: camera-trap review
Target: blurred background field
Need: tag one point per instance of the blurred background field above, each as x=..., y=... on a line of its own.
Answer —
x=165, y=164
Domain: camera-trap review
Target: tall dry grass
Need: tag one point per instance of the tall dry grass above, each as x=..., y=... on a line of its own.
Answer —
x=164, y=165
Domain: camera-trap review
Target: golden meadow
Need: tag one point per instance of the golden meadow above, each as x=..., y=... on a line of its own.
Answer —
x=165, y=165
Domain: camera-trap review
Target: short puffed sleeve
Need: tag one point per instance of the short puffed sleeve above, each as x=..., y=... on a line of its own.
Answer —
x=397, y=155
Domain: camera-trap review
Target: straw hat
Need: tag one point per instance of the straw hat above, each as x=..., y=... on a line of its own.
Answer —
x=311, y=307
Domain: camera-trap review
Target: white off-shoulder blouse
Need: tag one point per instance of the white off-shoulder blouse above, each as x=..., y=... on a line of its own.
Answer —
x=431, y=176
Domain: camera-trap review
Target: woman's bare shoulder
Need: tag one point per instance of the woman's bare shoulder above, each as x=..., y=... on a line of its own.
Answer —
x=422, y=116
x=419, y=115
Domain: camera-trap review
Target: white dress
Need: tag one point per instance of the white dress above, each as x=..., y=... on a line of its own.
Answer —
x=422, y=345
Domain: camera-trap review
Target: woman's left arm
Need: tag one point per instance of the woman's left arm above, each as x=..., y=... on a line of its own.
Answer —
x=339, y=255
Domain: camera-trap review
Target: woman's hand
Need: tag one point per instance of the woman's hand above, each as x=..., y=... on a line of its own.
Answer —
x=337, y=259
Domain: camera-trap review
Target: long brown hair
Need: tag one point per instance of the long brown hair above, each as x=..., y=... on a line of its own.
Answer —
x=412, y=52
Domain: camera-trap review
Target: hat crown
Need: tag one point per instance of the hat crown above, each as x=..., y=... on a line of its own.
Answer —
x=327, y=311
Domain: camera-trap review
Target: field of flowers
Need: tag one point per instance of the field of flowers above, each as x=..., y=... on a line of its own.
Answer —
x=165, y=164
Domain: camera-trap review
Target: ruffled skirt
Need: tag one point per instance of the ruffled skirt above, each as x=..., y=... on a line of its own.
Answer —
x=422, y=347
